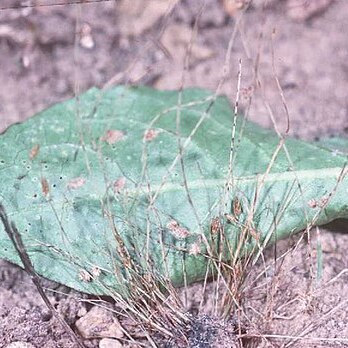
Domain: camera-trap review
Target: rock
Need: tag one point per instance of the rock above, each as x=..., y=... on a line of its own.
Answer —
x=232, y=7
x=301, y=10
x=138, y=16
x=19, y=344
x=176, y=40
x=109, y=343
x=99, y=323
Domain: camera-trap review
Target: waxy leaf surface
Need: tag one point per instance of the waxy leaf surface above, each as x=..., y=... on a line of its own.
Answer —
x=127, y=180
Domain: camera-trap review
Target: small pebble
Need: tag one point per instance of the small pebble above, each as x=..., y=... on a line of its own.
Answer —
x=99, y=323
x=109, y=343
x=19, y=344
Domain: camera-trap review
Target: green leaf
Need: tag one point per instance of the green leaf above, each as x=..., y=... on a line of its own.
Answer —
x=336, y=144
x=97, y=185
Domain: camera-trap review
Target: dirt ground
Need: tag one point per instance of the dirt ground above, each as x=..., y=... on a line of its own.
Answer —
x=51, y=53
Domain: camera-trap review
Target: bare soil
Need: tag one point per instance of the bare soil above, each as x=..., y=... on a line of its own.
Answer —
x=51, y=53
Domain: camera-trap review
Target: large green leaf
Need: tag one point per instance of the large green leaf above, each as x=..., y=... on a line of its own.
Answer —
x=86, y=174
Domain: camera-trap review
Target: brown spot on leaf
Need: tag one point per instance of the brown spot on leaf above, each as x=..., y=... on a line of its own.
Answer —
x=237, y=208
x=76, y=183
x=254, y=234
x=323, y=201
x=215, y=226
x=195, y=248
x=177, y=231
x=172, y=224
x=45, y=186
x=119, y=184
x=150, y=134
x=313, y=203
x=84, y=276
x=230, y=218
x=320, y=203
x=34, y=151
x=112, y=136
x=96, y=271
